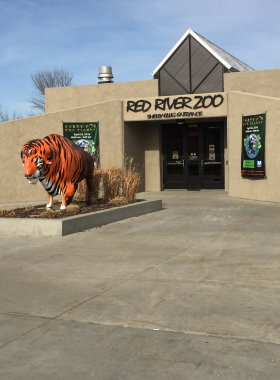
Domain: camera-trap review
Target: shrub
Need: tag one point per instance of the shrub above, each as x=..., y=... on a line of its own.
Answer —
x=113, y=184
x=81, y=193
x=29, y=208
x=131, y=180
x=118, y=201
x=5, y=212
x=73, y=208
x=96, y=182
x=50, y=214
x=111, y=181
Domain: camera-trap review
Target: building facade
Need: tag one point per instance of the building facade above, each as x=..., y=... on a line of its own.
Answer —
x=183, y=128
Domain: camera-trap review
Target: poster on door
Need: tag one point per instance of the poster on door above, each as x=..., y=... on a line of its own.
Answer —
x=253, y=146
x=86, y=135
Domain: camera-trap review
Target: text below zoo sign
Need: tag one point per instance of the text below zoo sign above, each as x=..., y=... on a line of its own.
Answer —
x=182, y=106
x=86, y=135
x=253, y=146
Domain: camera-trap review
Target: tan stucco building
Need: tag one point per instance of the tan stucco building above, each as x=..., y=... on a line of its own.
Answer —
x=183, y=128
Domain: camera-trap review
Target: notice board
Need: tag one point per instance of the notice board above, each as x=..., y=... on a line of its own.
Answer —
x=253, y=146
x=86, y=135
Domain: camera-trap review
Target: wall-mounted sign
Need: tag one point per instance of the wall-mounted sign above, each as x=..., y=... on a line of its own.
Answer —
x=212, y=155
x=180, y=103
x=175, y=155
x=174, y=115
x=253, y=146
x=86, y=135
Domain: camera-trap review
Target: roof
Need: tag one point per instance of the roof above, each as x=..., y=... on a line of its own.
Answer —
x=228, y=60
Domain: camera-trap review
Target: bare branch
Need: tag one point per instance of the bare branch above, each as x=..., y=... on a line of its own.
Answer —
x=16, y=116
x=47, y=79
x=3, y=116
x=6, y=117
x=32, y=114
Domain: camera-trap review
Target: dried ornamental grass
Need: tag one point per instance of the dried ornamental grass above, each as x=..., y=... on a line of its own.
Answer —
x=131, y=180
x=74, y=208
x=97, y=176
x=5, y=212
x=130, y=184
x=29, y=208
x=104, y=186
x=112, y=181
x=81, y=192
x=118, y=201
x=50, y=214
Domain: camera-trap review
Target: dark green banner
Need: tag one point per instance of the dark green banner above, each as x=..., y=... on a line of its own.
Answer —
x=86, y=135
x=253, y=146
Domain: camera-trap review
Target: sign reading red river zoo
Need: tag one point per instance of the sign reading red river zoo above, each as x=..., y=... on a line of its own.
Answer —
x=253, y=146
x=83, y=134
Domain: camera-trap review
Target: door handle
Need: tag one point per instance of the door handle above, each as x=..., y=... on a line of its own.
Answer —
x=183, y=163
x=201, y=162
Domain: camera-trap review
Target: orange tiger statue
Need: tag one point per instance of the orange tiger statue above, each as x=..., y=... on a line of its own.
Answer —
x=59, y=165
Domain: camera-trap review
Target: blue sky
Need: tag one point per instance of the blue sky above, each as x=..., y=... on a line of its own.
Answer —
x=131, y=36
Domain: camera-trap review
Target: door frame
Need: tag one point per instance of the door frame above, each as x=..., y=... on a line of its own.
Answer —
x=173, y=185
x=185, y=183
x=212, y=184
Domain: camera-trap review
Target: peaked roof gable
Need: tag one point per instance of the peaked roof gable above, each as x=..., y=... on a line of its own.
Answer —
x=226, y=59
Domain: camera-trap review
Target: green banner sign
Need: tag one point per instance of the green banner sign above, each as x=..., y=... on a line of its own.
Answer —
x=86, y=135
x=253, y=146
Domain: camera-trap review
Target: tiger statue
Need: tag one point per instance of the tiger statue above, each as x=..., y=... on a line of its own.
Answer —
x=59, y=165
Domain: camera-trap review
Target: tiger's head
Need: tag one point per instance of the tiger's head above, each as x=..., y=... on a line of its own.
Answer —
x=36, y=160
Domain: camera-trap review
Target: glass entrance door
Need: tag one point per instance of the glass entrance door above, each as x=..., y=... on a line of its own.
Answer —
x=193, y=174
x=174, y=159
x=212, y=161
x=193, y=156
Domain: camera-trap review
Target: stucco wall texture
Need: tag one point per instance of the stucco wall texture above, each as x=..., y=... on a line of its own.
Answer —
x=261, y=82
x=142, y=141
x=14, y=186
x=63, y=98
x=248, y=104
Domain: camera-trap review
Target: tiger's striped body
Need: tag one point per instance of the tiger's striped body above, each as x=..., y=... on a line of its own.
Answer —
x=59, y=165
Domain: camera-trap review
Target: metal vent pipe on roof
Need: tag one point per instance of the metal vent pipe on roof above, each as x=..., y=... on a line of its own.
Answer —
x=105, y=74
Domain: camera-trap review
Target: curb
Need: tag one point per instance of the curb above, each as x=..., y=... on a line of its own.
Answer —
x=73, y=224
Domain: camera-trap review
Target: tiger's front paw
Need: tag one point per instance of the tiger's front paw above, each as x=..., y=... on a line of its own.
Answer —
x=49, y=207
x=62, y=207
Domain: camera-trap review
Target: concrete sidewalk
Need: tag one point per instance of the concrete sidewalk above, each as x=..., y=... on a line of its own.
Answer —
x=190, y=292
